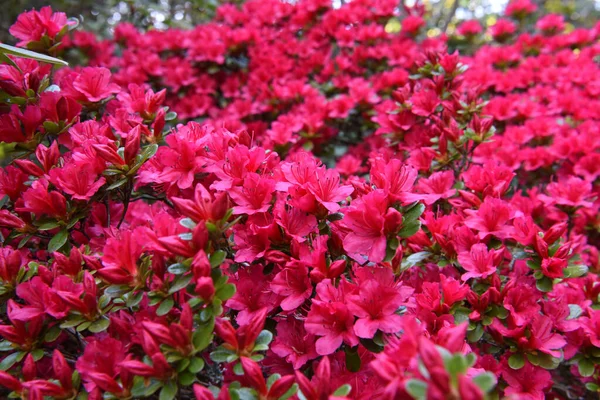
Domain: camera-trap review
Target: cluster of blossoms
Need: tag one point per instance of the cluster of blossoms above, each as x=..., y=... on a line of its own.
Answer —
x=294, y=202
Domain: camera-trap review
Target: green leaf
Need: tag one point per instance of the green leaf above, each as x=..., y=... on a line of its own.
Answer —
x=461, y=314
x=409, y=229
x=71, y=322
x=177, y=269
x=58, y=241
x=546, y=361
x=52, y=334
x=53, y=89
x=544, y=284
x=456, y=364
x=485, y=381
x=46, y=226
x=180, y=283
x=169, y=391
x=165, y=307
x=291, y=391
x=470, y=358
x=187, y=223
x=413, y=212
x=5, y=345
x=99, y=325
x=574, y=311
x=186, y=378
x=264, y=337
x=586, y=367
x=223, y=355
x=140, y=389
x=37, y=354
x=134, y=299
x=592, y=387
x=371, y=345
x=149, y=151
x=242, y=394
x=116, y=290
x=186, y=236
x=217, y=258
x=414, y=259
x=272, y=379
x=238, y=369
x=196, y=365
x=83, y=326
x=174, y=357
x=18, y=52
x=103, y=301
x=343, y=390
x=5, y=59
x=9, y=361
x=417, y=389
x=575, y=271
x=226, y=292
x=500, y=312
x=203, y=335
x=533, y=359
x=335, y=217
x=516, y=361
x=24, y=241
x=353, y=361
x=183, y=364
x=476, y=334
x=117, y=184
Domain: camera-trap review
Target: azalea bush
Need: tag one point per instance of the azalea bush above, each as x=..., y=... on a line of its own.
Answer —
x=295, y=201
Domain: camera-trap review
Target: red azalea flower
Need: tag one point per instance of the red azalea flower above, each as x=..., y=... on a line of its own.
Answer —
x=479, y=262
x=31, y=26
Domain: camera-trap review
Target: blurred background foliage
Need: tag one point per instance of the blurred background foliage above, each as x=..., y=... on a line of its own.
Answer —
x=101, y=16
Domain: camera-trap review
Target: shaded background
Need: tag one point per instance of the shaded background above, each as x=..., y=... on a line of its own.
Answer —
x=101, y=16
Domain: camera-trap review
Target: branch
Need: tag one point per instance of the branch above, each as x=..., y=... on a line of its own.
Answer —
x=451, y=15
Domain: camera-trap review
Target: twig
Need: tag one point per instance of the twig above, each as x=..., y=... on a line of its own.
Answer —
x=450, y=15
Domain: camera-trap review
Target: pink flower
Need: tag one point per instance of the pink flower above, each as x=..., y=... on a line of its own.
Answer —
x=252, y=295
x=38, y=200
x=412, y=24
x=375, y=305
x=522, y=302
x=293, y=284
x=469, y=28
x=520, y=8
x=424, y=103
x=393, y=177
x=79, y=181
x=20, y=126
x=293, y=342
x=327, y=190
x=479, y=262
x=591, y=327
x=93, y=84
x=120, y=259
x=370, y=221
x=331, y=320
x=542, y=338
x=31, y=26
x=437, y=186
x=572, y=192
x=551, y=23
x=490, y=219
x=528, y=382
x=254, y=196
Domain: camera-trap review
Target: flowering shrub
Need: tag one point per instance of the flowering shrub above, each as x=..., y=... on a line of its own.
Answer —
x=293, y=202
